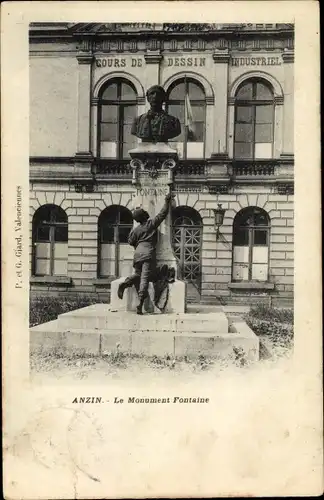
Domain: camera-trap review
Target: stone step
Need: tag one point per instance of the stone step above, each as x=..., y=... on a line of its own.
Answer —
x=49, y=338
x=100, y=316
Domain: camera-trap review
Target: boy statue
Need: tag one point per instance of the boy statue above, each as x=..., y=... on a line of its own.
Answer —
x=144, y=239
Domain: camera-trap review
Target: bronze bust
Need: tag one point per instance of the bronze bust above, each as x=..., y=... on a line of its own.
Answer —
x=156, y=125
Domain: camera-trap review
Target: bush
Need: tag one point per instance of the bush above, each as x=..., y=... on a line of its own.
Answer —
x=263, y=312
x=280, y=334
x=43, y=309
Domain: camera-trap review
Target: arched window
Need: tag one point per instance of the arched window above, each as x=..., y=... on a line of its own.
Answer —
x=254, y=120
x=186, y=101
x=50, y=241
x=117, y=109
x=115, y=255
x=187, y=241
x=251, y=229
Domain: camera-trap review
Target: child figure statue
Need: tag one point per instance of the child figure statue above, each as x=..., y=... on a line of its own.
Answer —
x=144, y=239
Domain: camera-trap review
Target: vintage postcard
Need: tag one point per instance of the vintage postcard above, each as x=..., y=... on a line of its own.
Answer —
x=161, y=249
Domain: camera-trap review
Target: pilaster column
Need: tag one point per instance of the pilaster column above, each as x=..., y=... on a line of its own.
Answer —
x=230, y=127
x=94, y=125
x=278, y=126
x=153, y=60
x=220, y=141
x=288, y=111
x=84, y=92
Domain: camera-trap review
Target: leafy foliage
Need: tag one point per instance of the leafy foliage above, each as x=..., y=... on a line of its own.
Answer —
x=263, y=312
x=44, y=309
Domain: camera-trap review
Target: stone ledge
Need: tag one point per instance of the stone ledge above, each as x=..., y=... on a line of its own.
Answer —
x=51, y=280
x=51, y=337
x=251, y=285
x=104, y=282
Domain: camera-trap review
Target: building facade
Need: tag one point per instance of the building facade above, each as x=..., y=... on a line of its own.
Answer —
x=232, y=88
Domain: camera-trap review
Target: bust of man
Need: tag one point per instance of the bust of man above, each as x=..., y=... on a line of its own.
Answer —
x=156, y=125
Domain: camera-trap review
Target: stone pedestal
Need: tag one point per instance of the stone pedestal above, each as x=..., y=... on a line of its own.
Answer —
x=98, y=330
x=176, y=302
x=153, y=166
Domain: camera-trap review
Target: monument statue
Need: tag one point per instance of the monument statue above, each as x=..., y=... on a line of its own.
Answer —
x=153, y=164
x=144, y=239
x=156, y=125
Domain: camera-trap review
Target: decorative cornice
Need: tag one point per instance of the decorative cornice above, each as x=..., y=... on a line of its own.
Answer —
x=279, y=99
x=84, y=59
x=210, y=100
x=285, y=188
x=288, y=56
x=153, y=57
x=94, y=101
x=140, y=100
x=218, y=157
x=85, y=186
x=218, y=188
x=83, y=156
x=231, y=101
x=221, y=58
x=287, y=158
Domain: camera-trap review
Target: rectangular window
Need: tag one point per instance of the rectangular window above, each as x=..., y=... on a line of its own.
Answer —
x=263, y=150
x=244, y=114
x=263, y=132
x=243, y=150
x=107, y=259
x=108, y=132
x=243, y=132
x=43, y=233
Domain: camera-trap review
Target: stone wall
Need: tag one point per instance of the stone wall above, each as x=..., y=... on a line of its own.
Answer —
x=83, y=210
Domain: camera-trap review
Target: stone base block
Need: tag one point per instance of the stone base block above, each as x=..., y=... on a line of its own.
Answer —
x=98, y=330
x=176, y=301
x=103, y=317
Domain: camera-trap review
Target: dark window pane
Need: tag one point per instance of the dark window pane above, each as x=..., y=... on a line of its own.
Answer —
x=42, y=233
x=244, y=218
x=260, y=237
x=110, y=93
x=125, y=216
x=177, y=110
x=261, y=219
x=178, y=92
x=43, y=214
x=127, y=92
x=240, y=236
x=263, y=133
x=109, y=113
x=129, y=113
x=198, y=112
x=196, y=132
x=245, y=92
x=264, y=114
x=243, y=132
x=244, y=114
x=130, y=144
x=195, y=92
x=123, y=232
x=110, y=216
x=108, y=132
x=243, y=150
x=107, y=234
x=127, y=137
x=263, y=92
x=58, y=215
x=61, y=233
